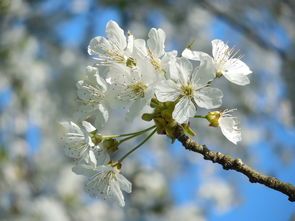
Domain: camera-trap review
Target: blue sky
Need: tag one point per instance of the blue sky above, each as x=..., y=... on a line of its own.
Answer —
x=259, y=203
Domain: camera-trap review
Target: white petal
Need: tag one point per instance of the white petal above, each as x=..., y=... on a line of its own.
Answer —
x=220, y=50
x=183, y=110
x=140, y=49
x=209, y=97
x=167, y=91
x=88, y=126
x=88, y=92
x=102, y=116
x=92, y=159
x=236, y=71
x=85, y=111
x=75, y=144
x=229, y=128
x=124, y=183
x=184, y=68
x=71, y=127
x=102, y=157
x=99, y=45
x=95, y=79
x=194, y=55
x=204, y=73
x=116, y=193
x=85, y=170
x=130, y=45
x=156, y=42
x=167, y=60
x=136, y=108
x=116, y=35
x=76, y=151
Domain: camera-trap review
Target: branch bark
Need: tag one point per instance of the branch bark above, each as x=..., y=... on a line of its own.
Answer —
x=230, y=163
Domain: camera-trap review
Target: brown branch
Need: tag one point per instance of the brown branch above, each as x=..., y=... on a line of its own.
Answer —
x=230, y=163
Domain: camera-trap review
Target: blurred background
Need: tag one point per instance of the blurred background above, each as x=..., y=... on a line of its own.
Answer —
x=43, y=52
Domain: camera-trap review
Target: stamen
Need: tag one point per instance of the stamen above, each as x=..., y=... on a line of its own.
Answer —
x=187, y=90
x=138, y=88
x=155, y=62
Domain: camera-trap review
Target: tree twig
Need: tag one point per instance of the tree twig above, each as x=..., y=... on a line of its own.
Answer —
x=230, y=163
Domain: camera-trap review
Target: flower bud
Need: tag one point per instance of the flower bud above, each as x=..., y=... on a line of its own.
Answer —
x=111, y=145
x=213, y=118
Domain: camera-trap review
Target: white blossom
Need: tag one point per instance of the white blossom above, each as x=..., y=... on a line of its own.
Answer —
x=189, y=88
x=78, y=143
x=233, y=69
x=92, y=98
x=154, y=51
x=229, y=126
x=114, y=48
x=131, y=87
x=105, y=181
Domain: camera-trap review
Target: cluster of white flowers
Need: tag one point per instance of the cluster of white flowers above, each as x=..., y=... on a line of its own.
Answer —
x=134, y=73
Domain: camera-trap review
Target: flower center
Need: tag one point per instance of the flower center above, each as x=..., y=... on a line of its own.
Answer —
x=138, y=88
x=187, y=90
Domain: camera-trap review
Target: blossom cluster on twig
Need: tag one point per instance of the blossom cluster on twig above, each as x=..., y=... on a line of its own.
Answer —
x=135, y=73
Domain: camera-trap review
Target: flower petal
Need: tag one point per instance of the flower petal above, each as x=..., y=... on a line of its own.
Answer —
x=102, y=116
x=136, y=108
x=229, y=128
x=167, y=61
x=88, y=92
x=184, y=68
x=204, y=73
x=102, y=157
x=99, y=46
x=130, y=44
x=116, y=35
x=88, y=126
x=76, y=151
x=167, y=91
x=71, y=127
x=194, y=55
x=124, y=183
x=140, y=49
x=220, y=50
x=156, y=42
x=95, y=79
x=209, y=97
x=236, y=72
x=85, y=170
x=183, y=110
x=116, y=193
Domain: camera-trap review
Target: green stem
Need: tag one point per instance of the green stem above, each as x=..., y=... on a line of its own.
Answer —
x=130, y=134
x=128, y=138
x=200, y=116
x=139, y=145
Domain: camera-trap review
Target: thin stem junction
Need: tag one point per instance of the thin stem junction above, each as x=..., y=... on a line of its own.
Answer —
x=139, y=145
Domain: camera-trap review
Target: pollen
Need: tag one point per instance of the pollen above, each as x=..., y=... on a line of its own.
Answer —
x=131, y=62
x=187, y=90
x=138, y=88
x=155, y=62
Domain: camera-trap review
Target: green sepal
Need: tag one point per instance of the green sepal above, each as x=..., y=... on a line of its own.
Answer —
x=147, y=117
